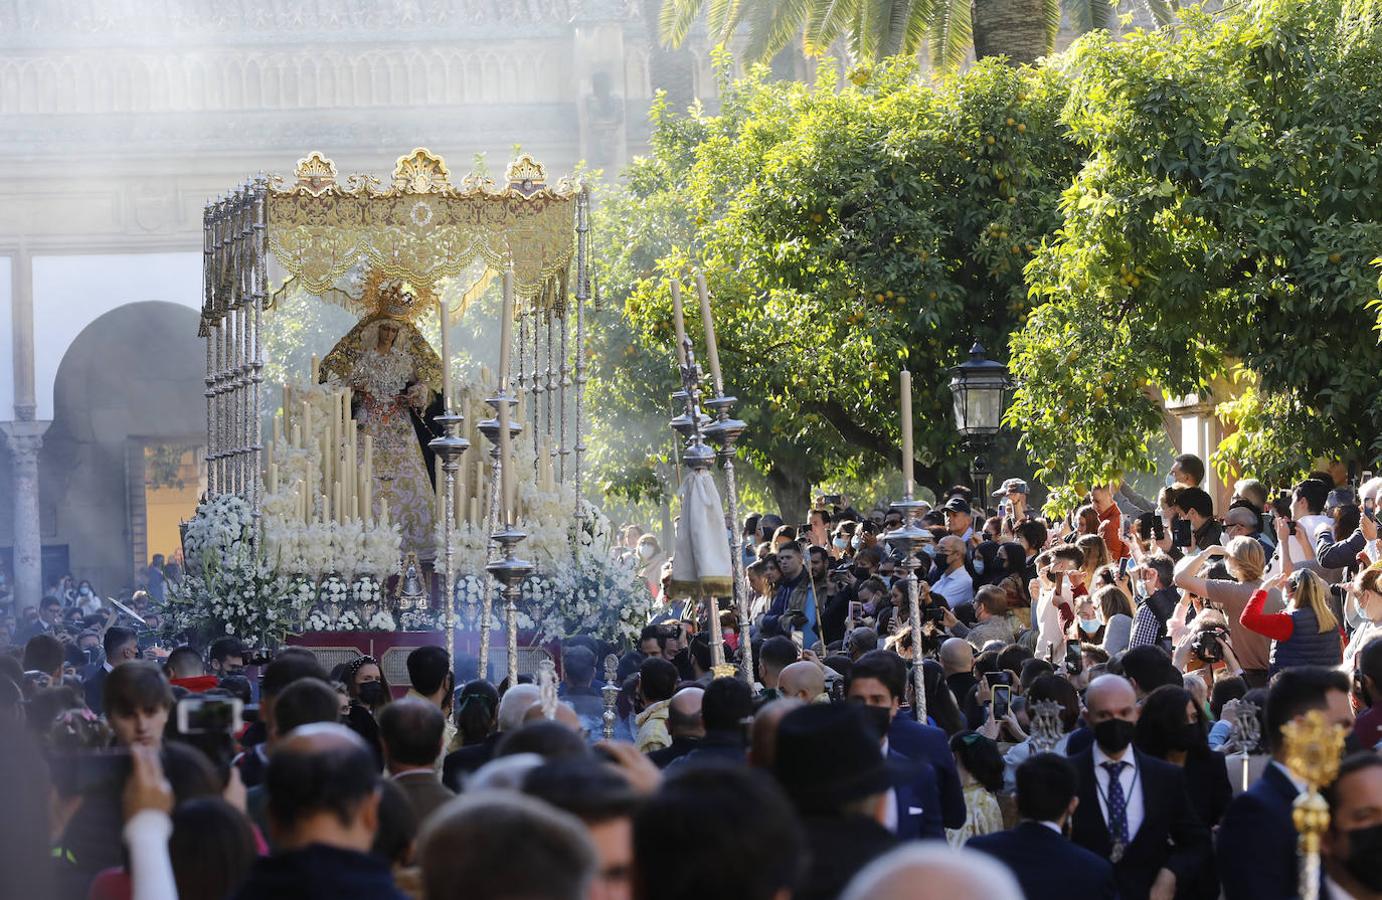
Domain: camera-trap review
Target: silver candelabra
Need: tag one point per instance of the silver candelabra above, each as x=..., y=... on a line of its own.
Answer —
x=699, y=458
x=725, y=432
x=506, y=536
x=910, y=538
x=449, y=447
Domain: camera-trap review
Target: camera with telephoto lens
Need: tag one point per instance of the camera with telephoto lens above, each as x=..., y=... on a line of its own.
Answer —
x=1208, y=643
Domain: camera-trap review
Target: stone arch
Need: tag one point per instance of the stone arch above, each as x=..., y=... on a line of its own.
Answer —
x=111, y=395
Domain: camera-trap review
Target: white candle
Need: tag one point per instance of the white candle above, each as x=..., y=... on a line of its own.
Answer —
x=678, y=323
x=273, y=479
x=506, y=331
x=369, y=476
x=906, y=398
x=316, y=369
x=712, y=350
x=384, y=510
x=445, y=353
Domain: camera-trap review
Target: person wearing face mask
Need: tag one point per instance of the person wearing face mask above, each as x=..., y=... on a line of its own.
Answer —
x=1134, y=809
x=1363, y=611
x=1171, y=726
x=369, y=693
x=1352, y=846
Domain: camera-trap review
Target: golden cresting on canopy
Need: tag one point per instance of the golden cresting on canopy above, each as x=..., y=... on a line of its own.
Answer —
x=422, y=228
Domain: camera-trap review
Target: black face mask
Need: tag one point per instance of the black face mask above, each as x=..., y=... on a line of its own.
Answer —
x=1114, y=735
x=373, y=693
x=1364, y=850
x=879, y=718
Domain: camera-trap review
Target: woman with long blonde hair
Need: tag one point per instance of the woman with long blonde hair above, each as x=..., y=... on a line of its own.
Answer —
x=1306, y=633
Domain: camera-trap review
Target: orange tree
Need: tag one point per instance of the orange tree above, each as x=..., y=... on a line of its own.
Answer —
x=845, y=233
x=1224, y=228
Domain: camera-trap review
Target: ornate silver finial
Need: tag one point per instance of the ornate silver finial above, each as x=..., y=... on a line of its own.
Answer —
x=610, y=695
x=1046, y=725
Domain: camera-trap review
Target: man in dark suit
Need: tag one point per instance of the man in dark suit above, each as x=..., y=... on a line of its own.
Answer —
x=121, y=645
x=1047, y=784
x=412, y=732
x=1257, y=837
x=1134, y=809
x=879, y=679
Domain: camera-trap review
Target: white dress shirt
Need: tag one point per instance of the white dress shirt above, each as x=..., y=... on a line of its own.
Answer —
x=1132, y=788
x=956, y=587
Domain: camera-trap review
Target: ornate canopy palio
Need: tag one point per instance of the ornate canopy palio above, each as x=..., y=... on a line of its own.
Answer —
x=421, y=228
x=410, y=235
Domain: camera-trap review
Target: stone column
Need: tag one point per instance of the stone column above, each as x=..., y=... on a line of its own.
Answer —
x=22, y=326
x=24, y=436
x=25, y=439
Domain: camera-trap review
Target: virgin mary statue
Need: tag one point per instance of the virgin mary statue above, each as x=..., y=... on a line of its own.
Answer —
x=395, y=377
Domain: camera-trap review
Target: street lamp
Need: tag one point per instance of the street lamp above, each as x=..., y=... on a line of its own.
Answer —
x=978, y=386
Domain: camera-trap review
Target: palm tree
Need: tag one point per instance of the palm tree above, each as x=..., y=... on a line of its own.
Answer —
x=1021, y=30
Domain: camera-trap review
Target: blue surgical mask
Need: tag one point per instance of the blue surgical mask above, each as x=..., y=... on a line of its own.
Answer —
x=929, y=550
x=840, y=543
x=978, y=565
x=856, y=542
x=1089, y=626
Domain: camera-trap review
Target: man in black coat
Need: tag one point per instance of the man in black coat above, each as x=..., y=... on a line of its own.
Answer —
x=1257, y=837
x=323, y=785
x=829, y=762
x=1134, y=809
x=1047, y=784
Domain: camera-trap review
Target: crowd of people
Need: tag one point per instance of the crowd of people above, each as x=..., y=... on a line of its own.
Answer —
x=1105, y=704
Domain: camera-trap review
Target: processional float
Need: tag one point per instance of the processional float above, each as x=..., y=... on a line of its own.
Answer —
x=405, y=240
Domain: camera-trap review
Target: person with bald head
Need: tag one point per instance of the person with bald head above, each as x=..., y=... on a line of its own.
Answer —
x=803, y=681
x=1134, y=809
x=957, y=659
x=763, y=732
x=323, y=785
x=684, y=724
x=933, y=872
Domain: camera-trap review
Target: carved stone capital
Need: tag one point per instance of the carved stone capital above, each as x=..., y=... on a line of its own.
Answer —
x=25, y=439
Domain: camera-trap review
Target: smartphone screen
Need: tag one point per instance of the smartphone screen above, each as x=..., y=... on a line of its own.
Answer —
x=1123, y=568
x=1180, y=533
x=1002, y=700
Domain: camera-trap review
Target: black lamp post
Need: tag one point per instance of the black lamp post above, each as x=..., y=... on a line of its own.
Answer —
x=978, y=386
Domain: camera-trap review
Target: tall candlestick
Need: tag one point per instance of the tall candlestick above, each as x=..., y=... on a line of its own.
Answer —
x=287, y=407
x=307, y=434
x=906, y=398
x=712, y=349
x=445, y=354
x=678, y=323
x=506, y=331
x=506, y=467
x=297, y=437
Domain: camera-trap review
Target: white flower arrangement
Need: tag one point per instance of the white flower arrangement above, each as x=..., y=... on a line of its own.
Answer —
x=230, y=587
x=381, y=621
x=365, y=590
